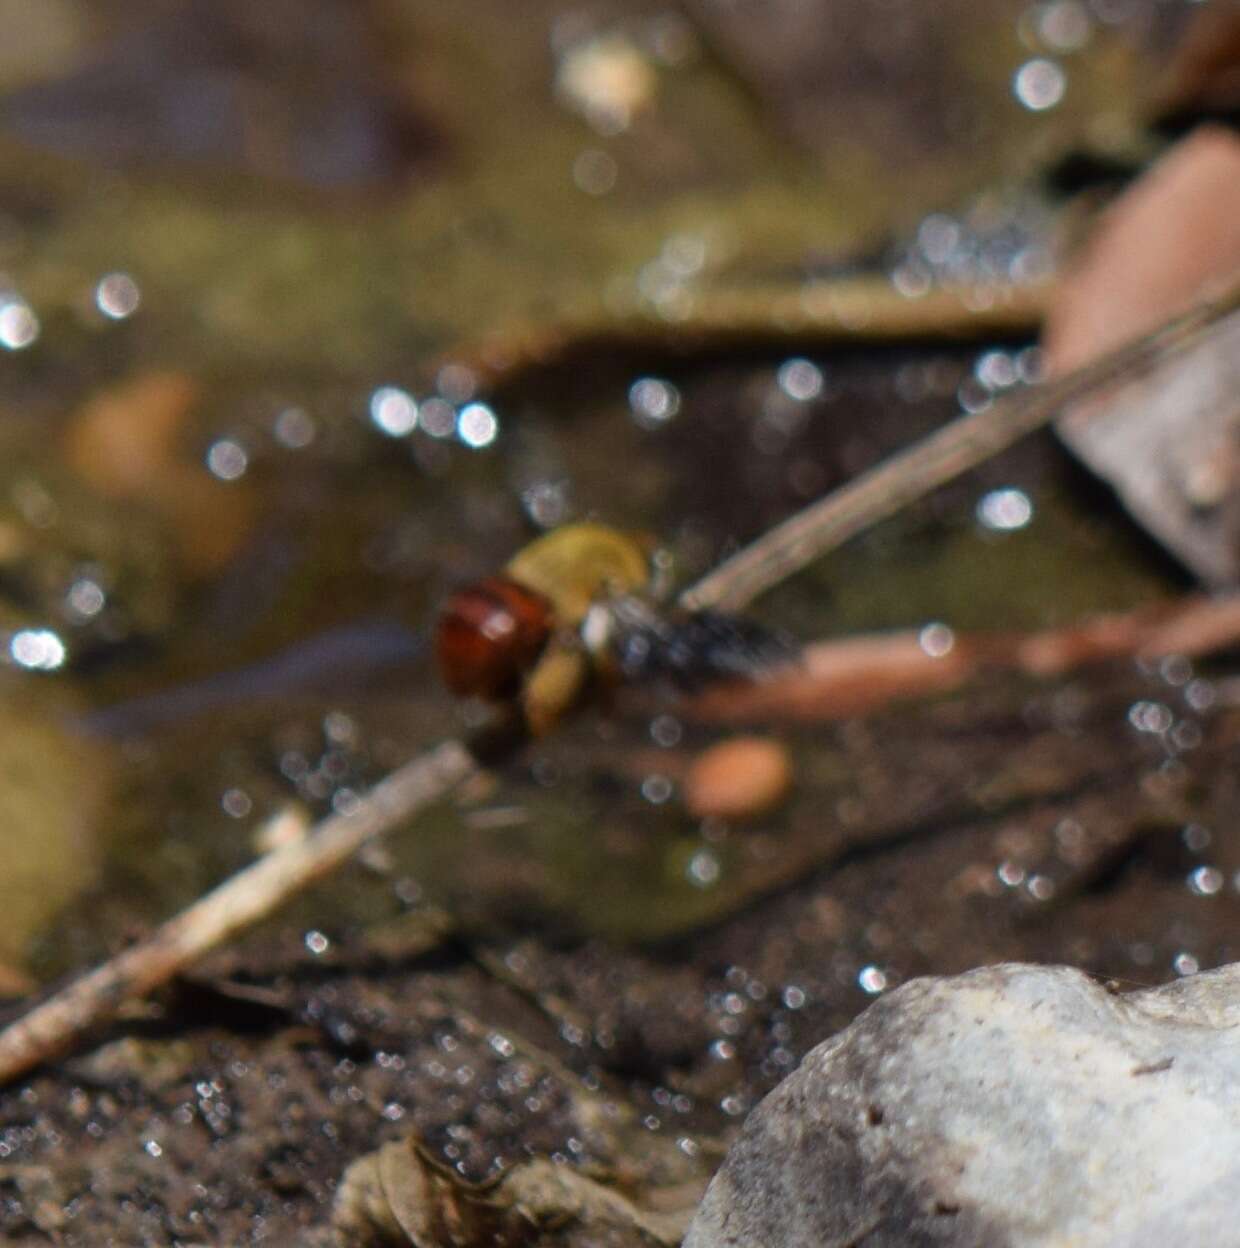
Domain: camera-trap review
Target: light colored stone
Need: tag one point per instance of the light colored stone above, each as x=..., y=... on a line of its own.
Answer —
x=1013, y=1105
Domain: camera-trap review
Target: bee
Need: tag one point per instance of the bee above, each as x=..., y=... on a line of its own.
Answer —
x=577, y=606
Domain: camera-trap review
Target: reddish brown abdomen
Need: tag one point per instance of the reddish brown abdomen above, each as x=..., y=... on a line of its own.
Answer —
x=489, y=635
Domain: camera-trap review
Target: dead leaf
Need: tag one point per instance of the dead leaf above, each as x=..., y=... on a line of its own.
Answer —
x=398, y=1196
x=1175, y=231
x=127, y=443
x=738, y=778
x=1169, y=443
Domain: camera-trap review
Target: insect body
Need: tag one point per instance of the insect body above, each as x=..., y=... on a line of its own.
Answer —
x=576, y=603
x=524, y=634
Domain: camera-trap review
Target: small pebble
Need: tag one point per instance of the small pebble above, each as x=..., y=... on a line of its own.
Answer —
x=738, y=778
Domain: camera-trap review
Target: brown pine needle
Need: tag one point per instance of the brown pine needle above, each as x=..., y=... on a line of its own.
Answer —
x=254, y=893
x=847, y=677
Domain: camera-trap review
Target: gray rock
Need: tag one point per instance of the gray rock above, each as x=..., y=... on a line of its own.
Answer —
x=1013, y=1105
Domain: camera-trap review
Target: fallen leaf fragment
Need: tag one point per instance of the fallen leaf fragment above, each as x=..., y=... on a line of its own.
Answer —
x=126, y=443
x=1172, y=233
x=738, y=778
x=1168, y=442
x=398, y=1196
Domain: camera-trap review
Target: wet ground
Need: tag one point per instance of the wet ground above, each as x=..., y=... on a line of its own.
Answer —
x=267, y=395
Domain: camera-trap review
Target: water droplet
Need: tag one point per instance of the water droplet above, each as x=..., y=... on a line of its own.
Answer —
x=237, y=803
x=607, y=79
x=653, y=402
x=37, y=649
x=1176, y=669
x=936, y=640
x=227, y=459
x=294, y=428
x=477, y=426
x=1040, y=84
x=800, y=379
x=1205, y=881
x=1200, y=694
x=1029, y=365
x=938, y=237
x=1152, y=717
x=703, y=869
x=1004, y=510
x=393, y=411
x=19, y=327
x=345, y=801
x=1195, y=837
x=912, y=279
x=872, y=980
x=85, y=598
x=996, y=370
x=656, y=789
x=458, y=383
x=547, y=503
x=1040, y=887
x=1064, y=25
x=793, y=997
x=501, y=1044
x=117, y=296
x=437, y=417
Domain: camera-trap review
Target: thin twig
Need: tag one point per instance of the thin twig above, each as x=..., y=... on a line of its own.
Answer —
x=255, y=892
x=914, y=472
x=242, y=900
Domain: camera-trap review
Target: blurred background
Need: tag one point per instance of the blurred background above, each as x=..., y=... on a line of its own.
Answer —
x=311, y=311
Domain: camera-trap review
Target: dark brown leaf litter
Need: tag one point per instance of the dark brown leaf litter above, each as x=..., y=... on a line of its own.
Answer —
x=285, y=92
x=1085, y=821
x=915, y=87
x=1204, y=74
